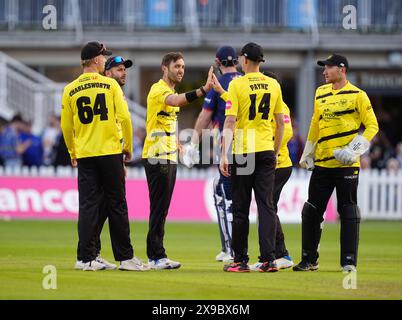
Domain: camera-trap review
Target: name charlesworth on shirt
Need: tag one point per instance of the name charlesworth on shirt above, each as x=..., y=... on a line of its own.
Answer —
x=89, y=86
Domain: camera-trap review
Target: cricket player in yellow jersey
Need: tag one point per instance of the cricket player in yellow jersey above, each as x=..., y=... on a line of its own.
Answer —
x=92, y=107
x=116, y=68
x=160, y=150
x=283, y=172
x=334, y=145
x=253, y=101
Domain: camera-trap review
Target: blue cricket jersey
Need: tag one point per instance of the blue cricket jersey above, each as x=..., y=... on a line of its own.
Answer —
x=215, y=104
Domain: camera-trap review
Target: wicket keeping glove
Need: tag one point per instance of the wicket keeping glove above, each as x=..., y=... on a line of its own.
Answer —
x=191, y=155
x=307, y=158
x=349, y=154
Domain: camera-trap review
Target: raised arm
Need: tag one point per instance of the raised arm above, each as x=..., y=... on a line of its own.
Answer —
x=183, y=99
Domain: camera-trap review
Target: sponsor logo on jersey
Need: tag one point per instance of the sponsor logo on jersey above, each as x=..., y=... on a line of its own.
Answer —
x=228, y=105
x=351, y=177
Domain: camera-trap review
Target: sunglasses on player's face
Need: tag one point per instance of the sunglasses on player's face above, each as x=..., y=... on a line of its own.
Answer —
x=226, y=62
x=118, y=59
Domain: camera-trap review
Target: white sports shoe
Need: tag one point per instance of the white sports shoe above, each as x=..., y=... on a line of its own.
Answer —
x=256, y=266
x=93, y=266
x=133, y=264
x=79, y=265
x=163, y=263
x=108, y=265
x=284, y=262
x=224, y=257
x=349, y=268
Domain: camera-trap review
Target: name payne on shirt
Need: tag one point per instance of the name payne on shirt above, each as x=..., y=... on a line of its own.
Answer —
x=259, y=86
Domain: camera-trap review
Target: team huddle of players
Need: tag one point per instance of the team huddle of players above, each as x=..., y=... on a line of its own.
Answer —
x=252, y=126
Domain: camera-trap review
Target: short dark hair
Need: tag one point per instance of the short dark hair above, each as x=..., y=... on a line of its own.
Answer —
x=17, y=118
x=171, y=57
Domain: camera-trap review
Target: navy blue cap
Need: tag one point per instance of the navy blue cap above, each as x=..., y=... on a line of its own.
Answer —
x=116, y=61
x=227, y=56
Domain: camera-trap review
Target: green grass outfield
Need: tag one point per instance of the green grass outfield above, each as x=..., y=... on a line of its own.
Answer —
x=27, y=246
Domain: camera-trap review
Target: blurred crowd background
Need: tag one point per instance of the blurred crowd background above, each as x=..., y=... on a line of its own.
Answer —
x=36, y=61
x=19, y=146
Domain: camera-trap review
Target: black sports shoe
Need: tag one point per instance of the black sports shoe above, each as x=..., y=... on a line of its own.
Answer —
x=237, y=267
x=304, y=265
x=269, y=266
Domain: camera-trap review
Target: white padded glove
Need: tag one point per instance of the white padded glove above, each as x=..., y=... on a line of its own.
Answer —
x=191, y=155
x=349, y=154
x=307, y=158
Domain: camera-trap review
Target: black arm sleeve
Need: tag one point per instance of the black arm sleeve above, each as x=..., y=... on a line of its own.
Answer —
x=191, y=96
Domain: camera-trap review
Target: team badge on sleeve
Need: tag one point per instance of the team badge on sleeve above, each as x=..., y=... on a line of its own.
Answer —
x=228, y=105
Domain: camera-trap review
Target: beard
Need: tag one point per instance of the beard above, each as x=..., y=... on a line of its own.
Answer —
x=121, y=81
x=175, y=78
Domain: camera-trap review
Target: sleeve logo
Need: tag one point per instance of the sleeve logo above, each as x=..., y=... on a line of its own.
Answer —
x=228, y=105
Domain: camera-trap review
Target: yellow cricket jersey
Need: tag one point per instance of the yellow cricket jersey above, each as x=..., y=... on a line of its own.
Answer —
x=338, y=116
x=93, y=110
x=284, y=160
x=253, y=99
x=161, y=124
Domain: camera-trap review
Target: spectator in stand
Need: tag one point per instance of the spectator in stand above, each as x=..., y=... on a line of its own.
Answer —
x=61, y=157
x=49, y=139
x=387, y=123
x=365, y=162
x=10, y=146
x=3, y=124
x=138, y=143
x=381, y=150
x=32, y=156
x=393, y=166
x=398, y=153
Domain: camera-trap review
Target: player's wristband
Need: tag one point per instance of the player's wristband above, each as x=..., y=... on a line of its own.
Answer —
x=203, y=91
x=191, y=96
